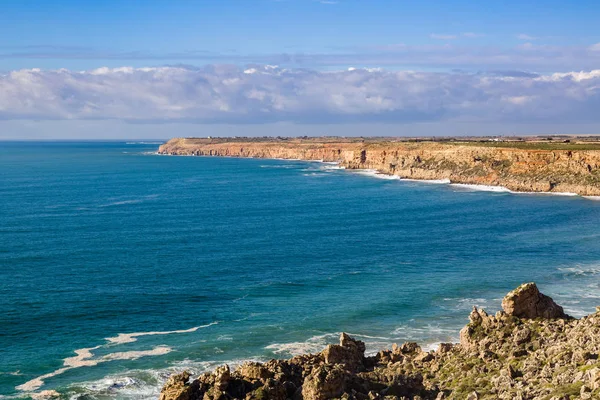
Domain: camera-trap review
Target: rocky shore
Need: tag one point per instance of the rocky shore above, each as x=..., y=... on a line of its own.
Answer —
x=530, y=350
x=570, y=168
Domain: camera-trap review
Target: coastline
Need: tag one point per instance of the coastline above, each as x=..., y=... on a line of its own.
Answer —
x=529, y=350
x=387, y=176
x=562, y=172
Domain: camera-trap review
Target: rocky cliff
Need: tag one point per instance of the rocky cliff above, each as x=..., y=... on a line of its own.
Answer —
x=531, y=350
x=561, y=169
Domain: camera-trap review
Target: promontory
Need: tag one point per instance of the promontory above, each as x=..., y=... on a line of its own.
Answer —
x=529, y=350
x=565, y=166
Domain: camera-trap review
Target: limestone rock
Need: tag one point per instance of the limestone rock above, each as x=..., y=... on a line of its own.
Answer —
x=556, y=170
x=349, y=352
x=526, y=301
x=506, y=356
x=253, y=371
x=177, y=387
x=324, y=383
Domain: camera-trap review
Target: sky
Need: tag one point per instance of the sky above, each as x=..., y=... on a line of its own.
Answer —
x=155, y=69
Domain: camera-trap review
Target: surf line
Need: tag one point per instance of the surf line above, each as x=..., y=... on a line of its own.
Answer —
x=85, y=357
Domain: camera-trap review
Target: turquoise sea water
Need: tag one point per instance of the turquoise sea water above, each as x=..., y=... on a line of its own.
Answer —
x=251, y=259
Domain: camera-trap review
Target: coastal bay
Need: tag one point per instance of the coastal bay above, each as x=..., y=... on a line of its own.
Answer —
x=128, y=267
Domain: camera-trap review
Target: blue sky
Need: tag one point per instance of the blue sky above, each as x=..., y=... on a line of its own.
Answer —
x=422, y=66
x=86, y=34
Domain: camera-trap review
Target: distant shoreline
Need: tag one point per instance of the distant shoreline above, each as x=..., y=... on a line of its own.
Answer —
x=565, y=168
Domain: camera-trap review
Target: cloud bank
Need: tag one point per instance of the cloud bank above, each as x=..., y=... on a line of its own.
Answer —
x=263, y=94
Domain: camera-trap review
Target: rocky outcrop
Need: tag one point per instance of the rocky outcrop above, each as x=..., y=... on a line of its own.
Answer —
x=526, y=301
x=519, y=169
x=532, y=350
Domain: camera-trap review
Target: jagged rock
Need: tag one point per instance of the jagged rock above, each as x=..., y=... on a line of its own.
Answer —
x=253, y=371
x=177, y=387
x=349, y=352
x=522, y=335
x=445, y=348
x=473, y=396
x=324, y=383
x=526, y=301
x=501, y=356
x=222, y=375
x=406, y=348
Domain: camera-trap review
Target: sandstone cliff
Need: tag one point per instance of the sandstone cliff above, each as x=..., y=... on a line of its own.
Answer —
x=529, y=170
x=531, y=350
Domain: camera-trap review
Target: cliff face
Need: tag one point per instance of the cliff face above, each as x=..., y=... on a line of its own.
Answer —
x=531, y=350
x=575, y=171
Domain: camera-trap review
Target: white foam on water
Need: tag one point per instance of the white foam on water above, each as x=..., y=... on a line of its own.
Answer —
x=581, y=270
x=568, y=194
x=427, y=336
x=433, y=181
x=85, y=357
x=375, y=174
x=123, y=202
x=467, y=303
x=145, y=384
x=276, y=166
x=129, y=201
x=45, y=394
x=132, y=337
x=13, y=373
x=359, y=336
x=502, y=189
x=482, y=188
x=593, y=198
x=318, y=343
x=312, y=345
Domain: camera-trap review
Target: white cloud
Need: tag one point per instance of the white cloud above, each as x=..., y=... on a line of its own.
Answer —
x=261, y=94
x=523, y=36
x=595, y=47
x=472, y=35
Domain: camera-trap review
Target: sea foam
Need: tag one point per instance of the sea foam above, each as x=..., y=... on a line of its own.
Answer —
x=483, y=188
x=85, y=357
x=375, y=174
x=132, y=337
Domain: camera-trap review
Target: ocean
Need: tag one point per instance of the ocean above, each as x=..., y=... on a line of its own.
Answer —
x=119, y=266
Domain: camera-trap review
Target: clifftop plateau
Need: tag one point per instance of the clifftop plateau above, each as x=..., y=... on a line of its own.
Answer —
x=530, y=350
x=518, y=166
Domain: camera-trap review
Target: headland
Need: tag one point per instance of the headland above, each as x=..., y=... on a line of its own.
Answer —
x=553, y=165
x=529, y=350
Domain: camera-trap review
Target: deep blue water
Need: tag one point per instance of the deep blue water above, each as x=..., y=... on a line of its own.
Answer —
x=265, y=258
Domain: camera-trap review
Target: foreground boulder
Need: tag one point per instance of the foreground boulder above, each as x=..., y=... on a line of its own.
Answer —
x=526, y=301
x=529, y=351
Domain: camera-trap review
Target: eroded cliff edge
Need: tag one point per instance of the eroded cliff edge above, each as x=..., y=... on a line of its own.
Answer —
x=570, y=169
x=530, y=350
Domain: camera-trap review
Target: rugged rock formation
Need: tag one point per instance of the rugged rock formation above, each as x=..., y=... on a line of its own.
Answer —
x=532, y=350
x=560, y=169
x=526, y=301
